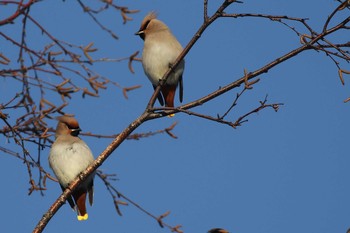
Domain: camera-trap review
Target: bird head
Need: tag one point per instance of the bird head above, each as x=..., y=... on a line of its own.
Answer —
x=67, y=126
x=150, y=24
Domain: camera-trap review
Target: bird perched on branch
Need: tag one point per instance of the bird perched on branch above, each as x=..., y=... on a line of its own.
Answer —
x=160, y=51
x=69, y=156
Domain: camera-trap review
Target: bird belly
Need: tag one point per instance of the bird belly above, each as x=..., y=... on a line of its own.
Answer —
x=69, y=160
x=157, y=60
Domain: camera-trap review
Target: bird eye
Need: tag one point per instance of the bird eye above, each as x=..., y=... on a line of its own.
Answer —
x=145, y=25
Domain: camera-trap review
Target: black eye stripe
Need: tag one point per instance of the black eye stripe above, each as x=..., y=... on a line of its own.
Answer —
x=146, y=24
x=75, y=132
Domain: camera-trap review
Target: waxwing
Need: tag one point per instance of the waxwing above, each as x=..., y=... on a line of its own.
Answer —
x=218, y=230
x=160, y=51
x=69, y=156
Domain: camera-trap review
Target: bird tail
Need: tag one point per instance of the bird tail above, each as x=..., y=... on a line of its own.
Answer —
x=80, y=199
x=168, y=92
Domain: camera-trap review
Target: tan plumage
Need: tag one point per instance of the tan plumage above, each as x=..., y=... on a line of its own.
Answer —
x=160, y=51
x=69, y=156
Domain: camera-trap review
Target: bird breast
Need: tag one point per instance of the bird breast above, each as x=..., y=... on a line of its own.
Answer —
x=157, y=57
x=67, y=160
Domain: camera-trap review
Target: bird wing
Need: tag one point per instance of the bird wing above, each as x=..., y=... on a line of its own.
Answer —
x=70, y=200
x=181, y=87
x=160, y=97
x=91, y=191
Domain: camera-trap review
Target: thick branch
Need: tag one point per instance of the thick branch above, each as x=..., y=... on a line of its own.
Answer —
x=98, y=162
x=150, y=111
x=194, y=39
x=250, y=75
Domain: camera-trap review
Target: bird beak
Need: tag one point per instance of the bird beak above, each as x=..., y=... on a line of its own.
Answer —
x=140, y=34
x=75, y=132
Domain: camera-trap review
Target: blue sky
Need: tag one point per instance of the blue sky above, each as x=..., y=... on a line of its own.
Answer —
x=279, y=172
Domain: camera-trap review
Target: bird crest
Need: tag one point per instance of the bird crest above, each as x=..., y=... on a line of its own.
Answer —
x=147, y=19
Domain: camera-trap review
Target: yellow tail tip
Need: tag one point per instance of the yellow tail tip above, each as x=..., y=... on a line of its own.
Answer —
x=83, y=218
x=171, y=115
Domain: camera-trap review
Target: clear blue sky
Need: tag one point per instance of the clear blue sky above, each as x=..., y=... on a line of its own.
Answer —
x=280, y=172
